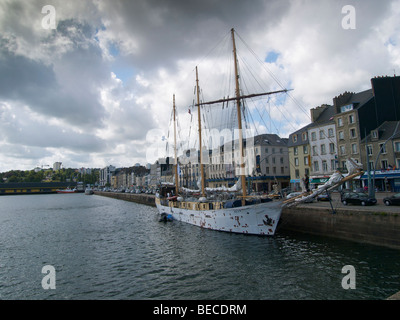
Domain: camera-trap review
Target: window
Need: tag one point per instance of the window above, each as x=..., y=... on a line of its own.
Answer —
x=316, y=166
x=305, y=136
x=323, y=149
x=371, y=165
x=305, y=149
x=369, y=150
x=340, y=122
x=294, y=138
x=296, y=151
x=341, y=135
x=321, y=134
x=351, y=118
x=397, y=147
x=296, y=162
x=384, y=164
x=282, y=170
x=354, y=148
x=297, y=173
x=331, y=148
x=314, y=150
x=342, y=150
x=324, y=166
x=383, y=148
x=313, y=136
x=333, y=164
x=330, y=133
x=375, y=134
x=306, y=161
x=353, y=133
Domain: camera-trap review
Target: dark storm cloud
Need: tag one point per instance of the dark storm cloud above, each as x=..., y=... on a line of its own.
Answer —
x=162, y=32
x=64, y=83
x=95, y=85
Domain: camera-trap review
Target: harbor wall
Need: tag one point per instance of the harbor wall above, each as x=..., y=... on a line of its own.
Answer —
x=364, y=225
x=146, y=199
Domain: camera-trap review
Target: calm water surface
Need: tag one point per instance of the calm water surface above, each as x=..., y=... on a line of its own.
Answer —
x=103, y=248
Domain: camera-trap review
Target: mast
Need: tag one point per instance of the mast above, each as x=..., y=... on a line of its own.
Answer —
x=244, y=97
x=238, y=108
x=175, y=153
x=200, y=144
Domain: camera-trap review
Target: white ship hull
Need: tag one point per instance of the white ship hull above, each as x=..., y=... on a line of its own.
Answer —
x=259, y=219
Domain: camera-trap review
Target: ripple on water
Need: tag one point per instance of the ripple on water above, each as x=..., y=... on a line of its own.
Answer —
x=103, y=248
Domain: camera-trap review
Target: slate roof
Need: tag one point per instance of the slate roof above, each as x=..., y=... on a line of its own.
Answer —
x=386, y=130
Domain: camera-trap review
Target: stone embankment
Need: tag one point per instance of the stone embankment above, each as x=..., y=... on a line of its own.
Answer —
x=147, y=199
x=377, y=225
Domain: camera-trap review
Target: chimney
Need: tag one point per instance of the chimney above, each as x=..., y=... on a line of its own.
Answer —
x=316, y=112
x=341, y=100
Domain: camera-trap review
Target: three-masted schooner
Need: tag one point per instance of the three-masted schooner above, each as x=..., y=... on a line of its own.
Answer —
x=241, y=214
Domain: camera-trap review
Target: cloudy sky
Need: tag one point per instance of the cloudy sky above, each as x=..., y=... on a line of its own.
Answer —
x=97, y=88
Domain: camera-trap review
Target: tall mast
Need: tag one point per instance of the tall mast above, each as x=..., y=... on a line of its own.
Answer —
x=175, y=153
x=239, y=115
x=200, y=144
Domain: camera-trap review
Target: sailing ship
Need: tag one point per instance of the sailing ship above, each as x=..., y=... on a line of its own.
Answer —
x=240, y=213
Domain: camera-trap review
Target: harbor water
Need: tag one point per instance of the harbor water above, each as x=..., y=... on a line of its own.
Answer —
x=103, y=248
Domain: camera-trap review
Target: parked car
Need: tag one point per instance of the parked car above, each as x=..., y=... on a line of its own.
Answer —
x=274, y=195
x=359, y=198
x=323, y=197
x=393, y=200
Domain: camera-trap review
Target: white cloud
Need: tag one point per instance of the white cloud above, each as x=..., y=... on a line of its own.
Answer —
x=89, y=91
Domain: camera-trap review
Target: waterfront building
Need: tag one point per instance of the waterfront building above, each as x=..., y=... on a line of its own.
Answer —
x=220, y=169
x=322, y=145
x=128, y=178
x=122, y=178
x=357, y=114
x=381, y=150
x=351, y=110
x=338, y=132
x=266, y=158
x=166, y=169
x=105, y=175
x=271, y=163
x=299, y=157
x=154, y=175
